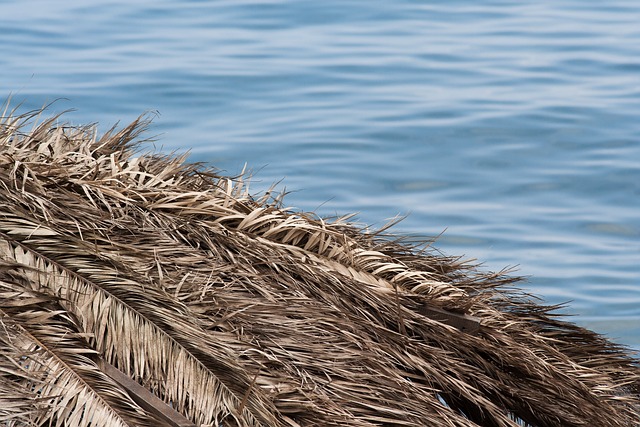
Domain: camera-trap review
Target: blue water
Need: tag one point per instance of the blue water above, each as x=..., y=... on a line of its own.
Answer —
x=514, y=126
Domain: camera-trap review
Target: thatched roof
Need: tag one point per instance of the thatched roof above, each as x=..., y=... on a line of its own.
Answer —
x=124, y=273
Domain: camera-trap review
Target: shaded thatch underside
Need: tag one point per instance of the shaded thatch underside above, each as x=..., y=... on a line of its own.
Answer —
x=239, y=312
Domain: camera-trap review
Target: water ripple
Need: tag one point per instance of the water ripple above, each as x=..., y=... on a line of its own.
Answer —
x=512, y=125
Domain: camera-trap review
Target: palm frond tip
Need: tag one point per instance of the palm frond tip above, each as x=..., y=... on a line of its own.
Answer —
x=236, y=311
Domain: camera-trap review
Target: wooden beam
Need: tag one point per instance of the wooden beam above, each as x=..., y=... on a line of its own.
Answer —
x=143, y=397
x=462, y=322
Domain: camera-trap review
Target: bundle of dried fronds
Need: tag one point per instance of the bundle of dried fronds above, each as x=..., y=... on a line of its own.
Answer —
x=119, y=272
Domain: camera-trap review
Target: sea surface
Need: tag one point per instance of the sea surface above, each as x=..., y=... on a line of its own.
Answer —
x=510, y=128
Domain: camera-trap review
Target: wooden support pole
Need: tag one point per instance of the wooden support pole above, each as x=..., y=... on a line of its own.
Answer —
x=143, y=397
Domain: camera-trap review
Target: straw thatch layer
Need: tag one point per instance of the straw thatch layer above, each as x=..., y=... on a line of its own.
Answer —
x=238, y=312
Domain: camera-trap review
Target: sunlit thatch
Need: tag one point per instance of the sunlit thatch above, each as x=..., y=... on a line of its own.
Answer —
x=238, y=312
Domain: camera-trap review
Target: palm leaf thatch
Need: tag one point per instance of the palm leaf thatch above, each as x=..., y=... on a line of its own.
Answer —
x=122, y=271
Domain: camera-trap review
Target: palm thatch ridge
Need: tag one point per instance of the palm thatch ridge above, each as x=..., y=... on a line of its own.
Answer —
x=137, y=289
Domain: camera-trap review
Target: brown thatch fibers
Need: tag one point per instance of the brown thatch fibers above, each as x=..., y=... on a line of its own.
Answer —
x=239, y=312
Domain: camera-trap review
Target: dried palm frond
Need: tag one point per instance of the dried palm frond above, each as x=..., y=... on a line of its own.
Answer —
x=122, y=271
x=48, y=368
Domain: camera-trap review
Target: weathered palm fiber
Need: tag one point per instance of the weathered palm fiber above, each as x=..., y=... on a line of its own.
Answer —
x=239, y=312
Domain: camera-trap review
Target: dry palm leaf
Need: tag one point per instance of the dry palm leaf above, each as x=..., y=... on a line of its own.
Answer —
x=122, y=271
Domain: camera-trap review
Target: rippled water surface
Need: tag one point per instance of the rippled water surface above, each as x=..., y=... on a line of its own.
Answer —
x=514, y=126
